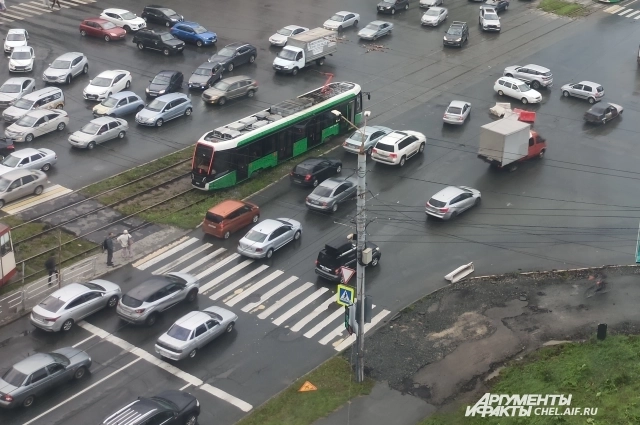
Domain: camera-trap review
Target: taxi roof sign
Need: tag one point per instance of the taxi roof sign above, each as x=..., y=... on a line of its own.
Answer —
x=346, y=295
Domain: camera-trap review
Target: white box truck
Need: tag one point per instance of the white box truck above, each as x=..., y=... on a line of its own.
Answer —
x=507, y=141
x=304, y=48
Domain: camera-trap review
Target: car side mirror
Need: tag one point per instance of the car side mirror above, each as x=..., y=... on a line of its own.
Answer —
x=149, y=80
x=19, y=165
x=90, y=81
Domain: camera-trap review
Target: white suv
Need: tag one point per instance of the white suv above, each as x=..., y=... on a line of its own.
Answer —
x=488, y=19
x=124, y=19
x=518, y=89
x=396, y=147
x=537, y=75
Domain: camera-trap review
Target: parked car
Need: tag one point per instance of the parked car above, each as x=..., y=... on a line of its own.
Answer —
x=230, y=88
x=165, y=82
x=376, y=29
x=498, y=5
x=37, y=123
x=457, y=112
x=128, y=21
x=589, y=90
x=396, y=147
x=269, y=236
x=431, y=3
x=451, y=201
x=390, y=6
x=20, y=183
x=14, y=88
x=119, y=105
x=21, y=59
x=603, y=113
x=107, y=83
x=193, y=331
x=281, y=37
x=228, y=217
x=434, y=16
x=372, y=133
x=161, y=41
x=517, y=89
x=164, y=108
x=41, y=373
x=29, y=159
x=96, y=27
x=66, y=67
x=488, y=19
x=161, y=15
x=145, y=302
x=170, y=407
x=340, y=253
x=97, y=131
x=330, y=193
x=194, y=33
x=457, y=34
x=341, y=20
x=312, y=171
x=72, y=303
x=235, y=54
x=16, y=37
x=205, y=76
x=537, y=76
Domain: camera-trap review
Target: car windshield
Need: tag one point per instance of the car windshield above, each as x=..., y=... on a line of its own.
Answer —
x=110, y=102
x=101, y=82
x=222, y=85
x=226, y=52
x=91, y=128
x=373, y=27
x=58, y=64
x=432, y=12
x=284, y=31
x=4, y=184
x=454, y=110
x=337, y=18
x=324, y=192
x=11, y=161
x=178, y=332
x=214, y=316
x=14, y=377
x=156, y=105
x=161, y=79
x=10, y=88
x=255, y=236
x=287, y=54
x=93, y=286
x=128, y=15
x=200, y=30
x=52, y=304
x=16, y=37
x=108, y=25
x=24, y=104
x=169, y=12
x=202, y=71
x=490, y=16
x=167, y=37
x=523, y=87
x=26, y=121
x=20, y=55
x=455, y=31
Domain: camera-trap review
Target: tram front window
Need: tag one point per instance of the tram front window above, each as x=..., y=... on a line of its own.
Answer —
x=202, y=159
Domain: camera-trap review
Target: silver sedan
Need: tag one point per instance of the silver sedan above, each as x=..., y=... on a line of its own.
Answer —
x=99, y=130
x=193, y=331
x=457, y=112
x=29, y=158
x=269, y=236
x=372, y=133
x=451, y=201
x=434, y=16
x=330, y=193
x=375, y=30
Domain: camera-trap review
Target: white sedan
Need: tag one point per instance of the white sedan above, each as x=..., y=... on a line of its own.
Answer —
x=341, y=20
x=124, y=19
x=281, y=37
x=434, y=16
x=457, y=112
x=21, y=59
x=106, y=84
x=36, y=123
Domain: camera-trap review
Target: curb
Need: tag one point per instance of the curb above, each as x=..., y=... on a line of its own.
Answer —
x=549, y=272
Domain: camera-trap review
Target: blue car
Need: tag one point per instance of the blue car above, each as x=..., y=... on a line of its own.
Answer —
x=193, y=32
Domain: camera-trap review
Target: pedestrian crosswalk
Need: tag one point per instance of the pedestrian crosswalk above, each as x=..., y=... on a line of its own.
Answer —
x=625, y=12
x=255, y=288
x=26, y=10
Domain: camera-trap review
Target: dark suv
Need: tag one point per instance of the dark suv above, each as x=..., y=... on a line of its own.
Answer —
x=457, y=34
x=161, y=15
x=161, y=41
x=170, y=407
x=342, y=253
x=235, y=54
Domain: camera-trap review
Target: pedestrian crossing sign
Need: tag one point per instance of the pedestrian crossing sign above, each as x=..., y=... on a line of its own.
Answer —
x=346, y=295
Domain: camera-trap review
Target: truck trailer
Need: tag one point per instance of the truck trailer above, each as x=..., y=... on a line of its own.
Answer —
x=505, y=142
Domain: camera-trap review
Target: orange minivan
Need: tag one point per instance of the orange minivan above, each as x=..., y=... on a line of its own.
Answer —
x=228, y=217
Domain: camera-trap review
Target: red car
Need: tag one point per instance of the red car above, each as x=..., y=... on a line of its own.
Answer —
x=97, y=27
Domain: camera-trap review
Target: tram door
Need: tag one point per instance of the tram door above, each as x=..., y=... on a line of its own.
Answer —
x=7, y=257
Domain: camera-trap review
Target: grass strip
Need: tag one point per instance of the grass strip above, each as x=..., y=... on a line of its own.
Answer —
x=336, y=386
x=563, y=8
x=598, y=374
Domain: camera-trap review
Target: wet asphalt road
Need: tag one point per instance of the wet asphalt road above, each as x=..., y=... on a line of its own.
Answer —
x=574, y=208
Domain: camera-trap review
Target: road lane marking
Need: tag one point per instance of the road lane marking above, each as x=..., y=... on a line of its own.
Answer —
x=299, y=306
x=185, y=387
x=174, y=263
x=192, y=380
x=3, y=20
x=203, y=260
x=204, y=288
x=270, y=293
x=29, y=6
x=315, y=313
x=336, y=332
x=613, y=9
x=217, y=266
x=83, y=341
x=164, y=252
x=83, y=391
x=245, y=293
x=631, y=14
x=291, y=295
x=238, y=282
x=624, y=12
x=15, y=9
x=320, y=326
x=351, y=338
x=12, y=16
x=25, y=9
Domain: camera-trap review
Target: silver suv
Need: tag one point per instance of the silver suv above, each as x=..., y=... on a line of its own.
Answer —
x=538, y=76
x=146, y=301
x=66, y=67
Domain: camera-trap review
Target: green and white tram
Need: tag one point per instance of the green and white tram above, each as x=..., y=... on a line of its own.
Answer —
x=233, y=153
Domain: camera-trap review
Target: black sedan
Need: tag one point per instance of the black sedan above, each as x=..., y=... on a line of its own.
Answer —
x=602, y=113
x=161, y=15
x=235, y=54
x=165, y=82
x=205, y=75
x=498, y=5
x=312, y=171
x=168, y=408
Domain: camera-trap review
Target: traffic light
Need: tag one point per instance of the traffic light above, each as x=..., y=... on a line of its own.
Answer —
x=367, y=309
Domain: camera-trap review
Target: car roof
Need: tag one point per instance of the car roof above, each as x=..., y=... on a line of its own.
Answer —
x=16, y=174
x=167, y=72
x=488, y=8
x=292, y=27
x=537, y=68
x=96, y=20
x=39, y=113
x=437, y=9
x=311, y=161
x=115, y=10
x=448, y=193
x=236, y=45
x=343, y=12
x=458, y=103
x=69, y=55
x=17, y=80
x=23, y=153
x=102, y=120
x=193, y=319
x=378, y=22
x=69, y=292
x=590, y=83
x=511, y=80
x=172, y=96
x=267, y=226
x=333, y=182
x=111, y=73
x=393, y=138
x=22, y=49
x=599, y=107
x=33, y=363
x=123, y=94
x=225, y=207
x=148, y=287
x=236, y=79
x=17, y=31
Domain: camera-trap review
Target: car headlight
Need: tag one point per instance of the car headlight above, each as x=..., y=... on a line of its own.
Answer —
x=147, y=90
x=112, y=34
x=161, y=91
x=458, y=39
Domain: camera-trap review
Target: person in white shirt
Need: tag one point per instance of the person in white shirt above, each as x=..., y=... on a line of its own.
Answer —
x=125, y=242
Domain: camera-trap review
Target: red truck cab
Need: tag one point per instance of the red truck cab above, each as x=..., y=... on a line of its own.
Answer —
x=537, y=146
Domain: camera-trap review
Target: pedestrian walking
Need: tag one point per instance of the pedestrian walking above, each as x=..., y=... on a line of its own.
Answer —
x=125, y=242
x=3, y=6
x=50, y=265
x=53, y=3
x=107, y=245
x=47, y=3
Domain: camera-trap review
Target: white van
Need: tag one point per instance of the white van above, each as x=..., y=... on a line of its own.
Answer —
x=46, y=98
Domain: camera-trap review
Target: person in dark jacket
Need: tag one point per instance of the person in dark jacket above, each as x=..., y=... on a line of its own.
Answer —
x=107, y=245
x=50, y=265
